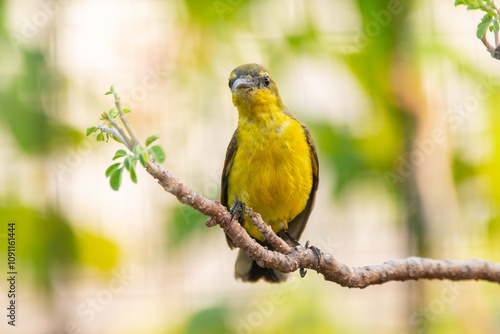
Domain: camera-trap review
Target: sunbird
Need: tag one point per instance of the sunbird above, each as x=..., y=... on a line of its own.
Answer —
x=271, y=166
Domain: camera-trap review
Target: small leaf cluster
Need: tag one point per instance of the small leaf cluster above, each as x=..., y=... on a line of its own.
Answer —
x=110, y=128
x=129, y=163
x=489, y=20
x=109, y=118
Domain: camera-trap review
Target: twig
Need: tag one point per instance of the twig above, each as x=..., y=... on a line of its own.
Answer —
x=494, y=51
x=115, y=133
x=267, y=232
x=490, y=47
x=135, y=139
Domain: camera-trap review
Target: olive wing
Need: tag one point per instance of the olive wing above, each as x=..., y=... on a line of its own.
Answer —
x=297, y=225
x=228, y=164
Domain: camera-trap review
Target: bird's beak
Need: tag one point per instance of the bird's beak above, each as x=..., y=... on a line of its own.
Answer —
x=243, y=82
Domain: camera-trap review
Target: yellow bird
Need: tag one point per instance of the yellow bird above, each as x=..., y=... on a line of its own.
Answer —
x=271, y=165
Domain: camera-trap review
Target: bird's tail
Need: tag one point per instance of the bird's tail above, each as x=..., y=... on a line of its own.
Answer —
x=248, y=270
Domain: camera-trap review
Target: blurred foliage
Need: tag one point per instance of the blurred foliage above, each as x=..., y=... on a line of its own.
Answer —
x=491, y=169
x=45, y=241
x=300, y=313
x=47, y=245
x=305, y=41
x=27, y=94
x=292, y=312
x=34, y=128
x=212, y=320
x=183, y=224
x=95, y=250
x=214, y=12
x=351, y=157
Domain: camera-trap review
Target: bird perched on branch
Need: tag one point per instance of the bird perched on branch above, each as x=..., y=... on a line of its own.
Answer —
x=271, y=166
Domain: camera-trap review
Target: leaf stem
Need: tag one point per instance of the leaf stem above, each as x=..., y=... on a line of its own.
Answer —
x=117, y=130
x=135, y=139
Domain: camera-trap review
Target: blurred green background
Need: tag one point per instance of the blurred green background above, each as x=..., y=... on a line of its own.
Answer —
x=401, y=99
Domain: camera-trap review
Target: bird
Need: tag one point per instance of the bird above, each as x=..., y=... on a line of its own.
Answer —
x=271, y=165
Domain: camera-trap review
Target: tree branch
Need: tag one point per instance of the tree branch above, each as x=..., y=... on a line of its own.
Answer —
x=287, y=259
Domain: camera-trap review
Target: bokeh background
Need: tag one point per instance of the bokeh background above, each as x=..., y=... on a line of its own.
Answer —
x=402, y=100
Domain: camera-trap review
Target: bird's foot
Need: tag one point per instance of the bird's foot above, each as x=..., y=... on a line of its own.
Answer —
x=238, y=209
x=316, y=252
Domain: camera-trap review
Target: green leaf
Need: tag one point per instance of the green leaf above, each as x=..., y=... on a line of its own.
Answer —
x=116, y=179
x=491, y=4
x=459, y=2
x=158, y=153
x=127, y=162
x=144, y=158
x=473, y=6
x=112, y=168
x=91, y=130
x=483, y=26
x=136, y=149
x=133, y=176
x=113, y=113
x=141, y=154
x=496, y=26
x=107, y=93
x=126, y=110
x=151, y=139
x=100, y=137
x=112, y=88
x=119, y=154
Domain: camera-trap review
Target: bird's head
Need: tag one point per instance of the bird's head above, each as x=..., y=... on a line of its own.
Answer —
x=253, y=88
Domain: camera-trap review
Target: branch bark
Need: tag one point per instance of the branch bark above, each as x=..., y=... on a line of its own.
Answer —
x=287, y=259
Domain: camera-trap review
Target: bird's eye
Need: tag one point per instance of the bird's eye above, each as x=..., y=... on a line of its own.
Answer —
x=267, y=80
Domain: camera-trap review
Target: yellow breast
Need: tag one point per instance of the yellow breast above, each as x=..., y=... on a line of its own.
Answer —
x=271, y=171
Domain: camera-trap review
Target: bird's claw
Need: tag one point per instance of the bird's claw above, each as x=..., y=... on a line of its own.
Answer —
x=238, y=207
x=316, y=252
